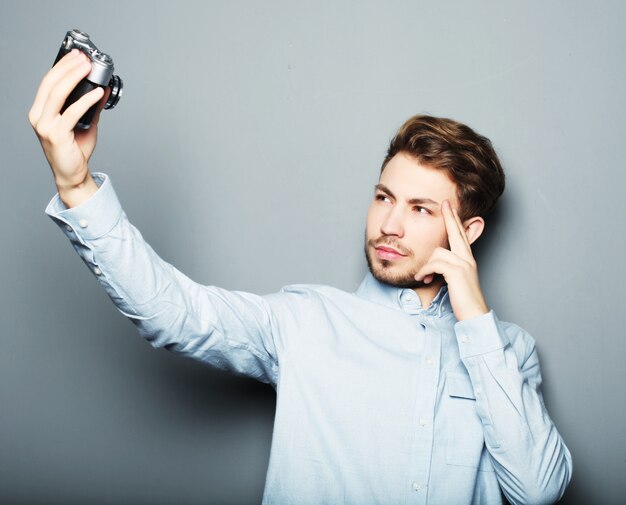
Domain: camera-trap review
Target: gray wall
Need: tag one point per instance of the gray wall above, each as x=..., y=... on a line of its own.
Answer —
x=245, y=148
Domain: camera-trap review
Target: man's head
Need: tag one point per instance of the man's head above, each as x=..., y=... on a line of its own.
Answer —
x=429, y=160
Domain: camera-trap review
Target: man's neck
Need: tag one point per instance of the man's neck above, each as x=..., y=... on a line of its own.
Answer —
x=428, y=293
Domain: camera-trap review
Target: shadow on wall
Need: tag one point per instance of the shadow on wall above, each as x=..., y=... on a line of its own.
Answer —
x=198, y=388
x=485, y=249
x=486, y=246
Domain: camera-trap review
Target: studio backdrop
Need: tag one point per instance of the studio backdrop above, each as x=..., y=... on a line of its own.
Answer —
x=245, y=148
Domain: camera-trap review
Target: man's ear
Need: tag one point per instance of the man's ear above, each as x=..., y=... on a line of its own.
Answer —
x=474, y=227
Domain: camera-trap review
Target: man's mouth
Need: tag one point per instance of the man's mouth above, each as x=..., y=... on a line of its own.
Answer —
x=388, y=253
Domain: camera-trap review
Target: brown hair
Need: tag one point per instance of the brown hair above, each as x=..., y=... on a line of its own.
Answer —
x=468, y=158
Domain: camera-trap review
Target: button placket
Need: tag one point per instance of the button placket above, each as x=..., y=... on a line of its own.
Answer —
x=423, y=427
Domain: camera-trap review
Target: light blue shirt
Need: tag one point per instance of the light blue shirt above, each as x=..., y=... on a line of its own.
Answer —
x=379, y=401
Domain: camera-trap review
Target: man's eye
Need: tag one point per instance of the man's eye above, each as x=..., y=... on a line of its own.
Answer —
x=382, y=198
x=421, y=210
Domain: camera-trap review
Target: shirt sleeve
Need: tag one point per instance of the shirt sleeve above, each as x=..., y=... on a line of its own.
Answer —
x=226, y=329
x=532, y=463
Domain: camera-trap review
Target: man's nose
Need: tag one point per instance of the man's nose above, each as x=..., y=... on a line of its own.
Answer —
x=392, y=224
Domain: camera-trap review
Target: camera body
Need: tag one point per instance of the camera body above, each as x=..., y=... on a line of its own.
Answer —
x=101, y=75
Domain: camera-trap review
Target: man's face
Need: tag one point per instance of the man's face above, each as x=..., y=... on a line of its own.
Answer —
x=404, y=221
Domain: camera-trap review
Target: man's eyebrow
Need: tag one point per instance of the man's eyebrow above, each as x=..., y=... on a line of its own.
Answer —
x=412, y=201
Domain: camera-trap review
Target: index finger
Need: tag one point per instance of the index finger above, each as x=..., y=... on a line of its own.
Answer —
x=54, y=75
x=459, y=244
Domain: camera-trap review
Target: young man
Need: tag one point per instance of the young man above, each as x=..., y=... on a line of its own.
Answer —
x=409, y=390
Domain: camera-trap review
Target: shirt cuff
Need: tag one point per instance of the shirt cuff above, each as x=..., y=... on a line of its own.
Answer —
x=91, y=219
x=480, y=335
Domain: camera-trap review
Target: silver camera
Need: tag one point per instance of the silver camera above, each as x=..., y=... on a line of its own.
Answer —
x=101, y=75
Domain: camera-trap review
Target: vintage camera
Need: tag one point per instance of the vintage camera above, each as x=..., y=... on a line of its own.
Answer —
x=101, y=75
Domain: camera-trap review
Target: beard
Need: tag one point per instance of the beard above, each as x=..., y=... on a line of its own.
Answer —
x=383, y=270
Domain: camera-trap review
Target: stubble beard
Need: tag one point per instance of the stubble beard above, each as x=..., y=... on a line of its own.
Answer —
x=382, y=269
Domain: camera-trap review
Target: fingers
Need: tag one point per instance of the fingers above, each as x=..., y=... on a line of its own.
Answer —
x=55, y=88
x=63, y=87
x=75, y=111
x=427, y=272
x=70, y=60
x=442, y=261
x=461, y=227
x=459, y=244
x=103, y=101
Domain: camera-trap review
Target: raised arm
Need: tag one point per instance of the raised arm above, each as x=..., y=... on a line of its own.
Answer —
x=228, y=330
x=67, y=151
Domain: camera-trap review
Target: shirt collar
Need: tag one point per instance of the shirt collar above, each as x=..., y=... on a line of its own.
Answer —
x=404, y=299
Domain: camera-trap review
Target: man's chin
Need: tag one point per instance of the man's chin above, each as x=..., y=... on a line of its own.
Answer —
x=390, y=273
x=383, y=272
x=397, y=281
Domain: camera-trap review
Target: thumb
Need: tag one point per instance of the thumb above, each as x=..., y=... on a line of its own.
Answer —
x=101, y=104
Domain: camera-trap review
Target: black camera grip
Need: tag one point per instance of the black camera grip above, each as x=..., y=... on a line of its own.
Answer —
x=62, y=52
x=83, y=88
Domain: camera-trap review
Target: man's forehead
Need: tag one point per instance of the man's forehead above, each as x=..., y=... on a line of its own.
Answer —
x=410, y=199
x=407, y=179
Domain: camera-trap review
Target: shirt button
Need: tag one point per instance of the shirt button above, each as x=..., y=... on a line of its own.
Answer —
x=68, y=227
x=97, y=271
x=423, y=422
x=416, y=486
x=83, y=223
x=429, y=362
x=463, y=338
x=477, y=391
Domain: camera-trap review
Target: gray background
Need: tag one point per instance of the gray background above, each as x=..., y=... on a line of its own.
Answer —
x=245, y=149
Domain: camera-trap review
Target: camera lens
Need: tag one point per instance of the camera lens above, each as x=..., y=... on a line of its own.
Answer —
x=116, y=86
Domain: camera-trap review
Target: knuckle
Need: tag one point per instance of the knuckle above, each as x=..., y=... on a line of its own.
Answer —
x=32, y=119
x=43, y=130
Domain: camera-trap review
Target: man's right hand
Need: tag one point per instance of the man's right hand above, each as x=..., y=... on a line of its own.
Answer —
x=67, y=151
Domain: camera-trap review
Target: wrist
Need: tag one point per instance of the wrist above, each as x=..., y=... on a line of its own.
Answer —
x=73, y=195
x=475, y=309
x=474, y=313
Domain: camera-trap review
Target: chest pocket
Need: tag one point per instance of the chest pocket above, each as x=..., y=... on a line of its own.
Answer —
x=464, y=430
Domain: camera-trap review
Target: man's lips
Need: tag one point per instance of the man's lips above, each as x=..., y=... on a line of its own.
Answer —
x=388, y=253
